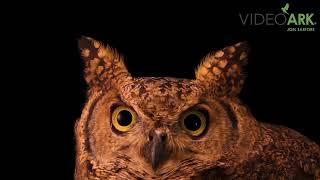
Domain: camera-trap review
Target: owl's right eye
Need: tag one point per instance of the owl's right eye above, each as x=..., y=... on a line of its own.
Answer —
x=123, y=118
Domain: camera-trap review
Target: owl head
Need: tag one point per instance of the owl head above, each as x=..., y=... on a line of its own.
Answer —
x=161, y=127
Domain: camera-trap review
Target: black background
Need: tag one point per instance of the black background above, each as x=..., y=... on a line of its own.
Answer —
x=160, y=40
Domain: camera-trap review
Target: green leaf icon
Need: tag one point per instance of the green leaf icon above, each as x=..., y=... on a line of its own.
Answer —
x=285, y=8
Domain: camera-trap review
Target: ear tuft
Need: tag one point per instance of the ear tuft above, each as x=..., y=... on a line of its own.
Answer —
x=103, y=65
x=221, y=71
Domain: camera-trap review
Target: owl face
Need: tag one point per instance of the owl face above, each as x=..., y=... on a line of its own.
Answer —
x=148, y=127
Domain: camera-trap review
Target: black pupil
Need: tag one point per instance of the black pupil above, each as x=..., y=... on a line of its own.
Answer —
x=124, y=118
x=192, y=122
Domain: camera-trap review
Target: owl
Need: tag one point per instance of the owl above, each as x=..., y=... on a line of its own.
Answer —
x=171, y=128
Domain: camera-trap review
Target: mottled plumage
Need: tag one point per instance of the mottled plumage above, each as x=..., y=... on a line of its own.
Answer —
x=219, y=140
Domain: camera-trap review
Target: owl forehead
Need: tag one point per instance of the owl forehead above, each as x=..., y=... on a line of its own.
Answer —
x=161, y=97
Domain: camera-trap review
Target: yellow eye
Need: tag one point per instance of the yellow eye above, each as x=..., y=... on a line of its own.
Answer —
x=123, y=118
x=194, y=122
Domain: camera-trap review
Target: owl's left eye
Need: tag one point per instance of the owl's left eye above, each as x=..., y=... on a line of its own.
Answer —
x=123, y=118
x=194, y=122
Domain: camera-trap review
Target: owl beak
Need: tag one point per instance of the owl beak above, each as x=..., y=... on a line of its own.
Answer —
x=156, y=148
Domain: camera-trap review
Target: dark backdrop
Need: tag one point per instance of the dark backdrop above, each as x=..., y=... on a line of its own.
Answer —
x=164, y=40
